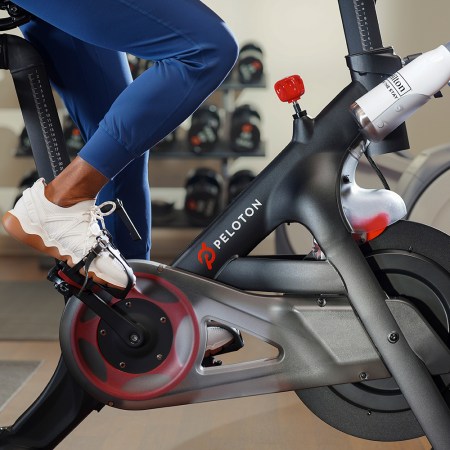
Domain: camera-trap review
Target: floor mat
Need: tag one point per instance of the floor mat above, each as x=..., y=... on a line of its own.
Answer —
x=29, y=310
x=13, y=375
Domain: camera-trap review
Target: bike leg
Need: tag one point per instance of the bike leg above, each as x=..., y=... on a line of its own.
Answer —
x=60, y=408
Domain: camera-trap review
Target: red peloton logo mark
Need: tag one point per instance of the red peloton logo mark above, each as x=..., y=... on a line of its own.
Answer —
x=206, y=255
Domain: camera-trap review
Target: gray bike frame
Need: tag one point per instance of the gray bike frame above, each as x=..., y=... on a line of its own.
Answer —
x=303, y=185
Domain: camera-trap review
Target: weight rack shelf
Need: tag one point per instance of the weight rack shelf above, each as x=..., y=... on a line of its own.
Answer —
x=176, y=219
x=222, y=151
x=233, y=84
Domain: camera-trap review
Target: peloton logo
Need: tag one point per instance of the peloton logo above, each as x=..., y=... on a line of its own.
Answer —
x=207, y=255
x=397, y=85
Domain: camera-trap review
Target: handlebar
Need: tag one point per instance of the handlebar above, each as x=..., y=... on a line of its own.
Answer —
x=17, y=15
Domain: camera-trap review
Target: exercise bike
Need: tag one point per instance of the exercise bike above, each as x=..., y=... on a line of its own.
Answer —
x=361, y=324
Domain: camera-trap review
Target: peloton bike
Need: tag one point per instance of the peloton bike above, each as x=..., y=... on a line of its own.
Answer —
x=361, y=324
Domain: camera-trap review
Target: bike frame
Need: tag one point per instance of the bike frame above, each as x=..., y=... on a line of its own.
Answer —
x=302, y=184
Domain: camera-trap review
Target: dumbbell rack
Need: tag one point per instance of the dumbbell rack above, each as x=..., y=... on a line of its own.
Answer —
x=222, y=150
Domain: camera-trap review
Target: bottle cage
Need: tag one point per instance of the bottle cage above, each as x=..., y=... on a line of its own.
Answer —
x=17, y=16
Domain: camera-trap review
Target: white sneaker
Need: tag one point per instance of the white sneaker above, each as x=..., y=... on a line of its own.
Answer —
x=67, y=234
x=217, y=338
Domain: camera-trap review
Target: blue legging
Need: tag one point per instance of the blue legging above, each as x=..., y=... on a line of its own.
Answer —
x=83, y=43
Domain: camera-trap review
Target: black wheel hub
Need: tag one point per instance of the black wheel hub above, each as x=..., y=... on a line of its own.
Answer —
x=157, y=342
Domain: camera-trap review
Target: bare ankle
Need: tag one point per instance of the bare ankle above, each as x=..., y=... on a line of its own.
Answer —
x=79, y=181
x=61, y=198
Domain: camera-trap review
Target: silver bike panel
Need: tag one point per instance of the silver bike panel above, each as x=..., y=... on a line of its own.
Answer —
x=308, y=356
x=317, y=345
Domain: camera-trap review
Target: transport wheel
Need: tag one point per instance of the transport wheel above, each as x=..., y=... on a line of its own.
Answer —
x=411, y=261
x=127, y=377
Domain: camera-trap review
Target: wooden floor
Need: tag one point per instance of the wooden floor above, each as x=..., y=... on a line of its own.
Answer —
x=268, y=422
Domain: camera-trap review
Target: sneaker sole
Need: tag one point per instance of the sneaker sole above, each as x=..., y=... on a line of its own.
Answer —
x=14, y=229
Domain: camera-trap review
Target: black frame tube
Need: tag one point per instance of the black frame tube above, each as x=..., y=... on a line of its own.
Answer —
x=37, y=105
x=61, y=407
x=63, y=404
x=361, y=28
x=369, y=62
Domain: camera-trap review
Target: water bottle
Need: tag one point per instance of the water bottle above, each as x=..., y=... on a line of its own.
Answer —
x=389, y=104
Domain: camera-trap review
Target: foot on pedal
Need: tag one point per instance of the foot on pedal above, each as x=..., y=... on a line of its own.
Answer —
x=221, y=339
x=68, y=234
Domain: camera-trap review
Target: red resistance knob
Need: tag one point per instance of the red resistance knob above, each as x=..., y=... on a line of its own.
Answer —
x=290, y=89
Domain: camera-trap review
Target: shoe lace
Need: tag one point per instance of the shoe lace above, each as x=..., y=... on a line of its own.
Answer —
x=98, y=212
x=94, y=215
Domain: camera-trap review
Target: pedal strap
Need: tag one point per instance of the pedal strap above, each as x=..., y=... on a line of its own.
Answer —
x=86, y=283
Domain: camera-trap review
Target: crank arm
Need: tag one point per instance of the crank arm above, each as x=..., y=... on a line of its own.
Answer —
x=98, y=300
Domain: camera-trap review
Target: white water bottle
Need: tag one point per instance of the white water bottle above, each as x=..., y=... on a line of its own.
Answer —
x=390, y=103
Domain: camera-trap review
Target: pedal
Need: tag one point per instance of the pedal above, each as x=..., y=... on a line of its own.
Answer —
x=210, y=361
x=68, y=281
x=236, y=344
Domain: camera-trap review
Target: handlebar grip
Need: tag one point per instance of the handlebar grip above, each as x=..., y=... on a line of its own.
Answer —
x=390, y=103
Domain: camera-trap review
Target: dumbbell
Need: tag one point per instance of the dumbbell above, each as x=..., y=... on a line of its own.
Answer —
x=163, y=211
x=245, y=135
x=72, y=136
x=250, y=64
x=203, y=133
x=167, y=142
x=203, y=193
x=238, y=182
x=137, y=65
x=24, y=147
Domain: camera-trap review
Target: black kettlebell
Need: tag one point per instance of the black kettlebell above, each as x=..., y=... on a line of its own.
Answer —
x=245, y=134
x=238, y=182
x=204, y=131
x=203, y=193
x=250, y=64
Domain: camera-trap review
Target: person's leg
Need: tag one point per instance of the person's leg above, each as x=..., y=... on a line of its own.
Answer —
x=193, y=52
x=88, y=79
x=190, y=62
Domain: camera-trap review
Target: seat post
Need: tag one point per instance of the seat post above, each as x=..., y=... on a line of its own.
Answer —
x=361, y=28
x=36, y=103
x=369, y=62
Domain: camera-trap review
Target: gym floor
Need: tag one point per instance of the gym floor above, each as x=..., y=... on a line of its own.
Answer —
x=267, y=422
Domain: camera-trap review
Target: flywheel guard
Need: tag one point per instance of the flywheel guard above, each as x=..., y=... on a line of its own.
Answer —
x=117, y=374
x=376, y=410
